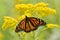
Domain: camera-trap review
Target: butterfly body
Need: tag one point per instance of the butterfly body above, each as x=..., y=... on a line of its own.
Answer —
x=29, y=24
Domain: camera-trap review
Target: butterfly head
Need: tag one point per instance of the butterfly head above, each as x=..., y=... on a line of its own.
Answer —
x=42, y=22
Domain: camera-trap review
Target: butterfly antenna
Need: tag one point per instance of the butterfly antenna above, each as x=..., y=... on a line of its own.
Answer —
x=26, y=16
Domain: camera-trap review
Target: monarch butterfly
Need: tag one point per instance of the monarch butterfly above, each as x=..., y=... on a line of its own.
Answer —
x=29, y=24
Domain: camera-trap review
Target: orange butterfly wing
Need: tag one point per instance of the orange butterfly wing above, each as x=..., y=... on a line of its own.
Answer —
x=27, y=27
x=31, y=24
x=28, y=24
x=20, y=26
x=34, y=21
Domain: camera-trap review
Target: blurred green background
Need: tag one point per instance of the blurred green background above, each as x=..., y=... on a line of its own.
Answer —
x=50, y=34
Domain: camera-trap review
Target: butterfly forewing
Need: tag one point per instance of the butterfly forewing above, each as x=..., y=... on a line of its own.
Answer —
x=34, y=21
x=22, y=24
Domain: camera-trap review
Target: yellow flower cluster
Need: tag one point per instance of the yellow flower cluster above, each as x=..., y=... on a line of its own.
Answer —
x=24, y=6
x=52, y=26
x=41, y=4
x=8, y=22
x=41, y=9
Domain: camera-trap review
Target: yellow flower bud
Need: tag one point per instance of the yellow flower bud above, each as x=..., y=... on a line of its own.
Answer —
x=52, y=26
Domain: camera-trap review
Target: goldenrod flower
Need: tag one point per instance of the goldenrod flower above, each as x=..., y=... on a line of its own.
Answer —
x=52, y=26
x=40, y=8
x=21, y=6
x=25, y=8
x=44, y=11
x=30, y=6
x=8, y=22
x=41, y=4
x=1, y=36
